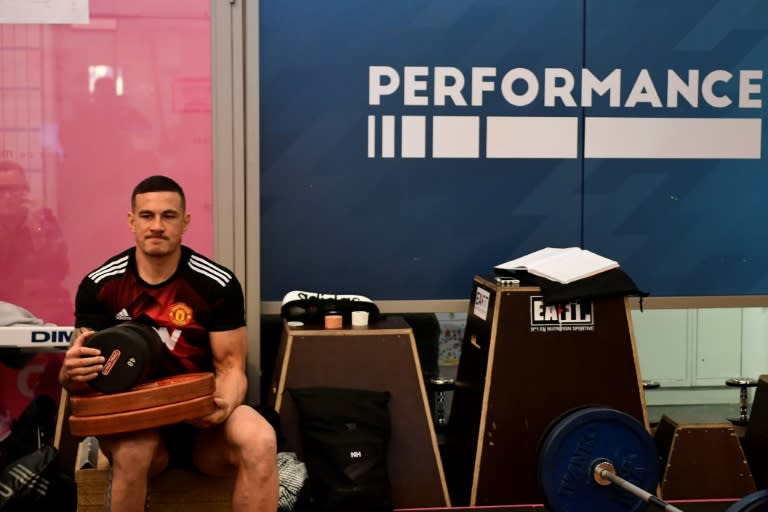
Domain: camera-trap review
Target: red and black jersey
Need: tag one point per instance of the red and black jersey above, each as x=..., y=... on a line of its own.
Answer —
x=201, y=296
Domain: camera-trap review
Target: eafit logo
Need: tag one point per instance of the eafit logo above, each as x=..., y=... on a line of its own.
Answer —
x=577, y=315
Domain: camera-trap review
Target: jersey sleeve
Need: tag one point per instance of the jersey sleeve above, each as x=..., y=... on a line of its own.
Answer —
x=229, y=310
x=89, y=312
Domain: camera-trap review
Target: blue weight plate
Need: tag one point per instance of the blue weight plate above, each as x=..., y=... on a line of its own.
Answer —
x=755, y=502
x=578, y=440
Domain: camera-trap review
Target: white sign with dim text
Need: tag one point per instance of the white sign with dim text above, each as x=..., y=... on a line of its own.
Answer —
x=36, y=336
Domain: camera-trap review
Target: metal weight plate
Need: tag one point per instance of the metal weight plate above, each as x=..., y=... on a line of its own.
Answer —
x=755, y=502
x=151, y=417
x=152, y=393
x=555, y=422
x=132, y=353
x=576, y=442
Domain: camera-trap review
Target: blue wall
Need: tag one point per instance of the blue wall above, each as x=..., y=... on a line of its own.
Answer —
x=341, y=215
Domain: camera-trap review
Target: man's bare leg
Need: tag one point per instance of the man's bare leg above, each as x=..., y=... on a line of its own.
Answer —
x=246, y=446
x=133, y=457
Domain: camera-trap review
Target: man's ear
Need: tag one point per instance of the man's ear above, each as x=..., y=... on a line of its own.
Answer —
x=131, y=222
x=187, y=219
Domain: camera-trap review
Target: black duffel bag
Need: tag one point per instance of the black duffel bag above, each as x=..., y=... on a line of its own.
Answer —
x=345, y=437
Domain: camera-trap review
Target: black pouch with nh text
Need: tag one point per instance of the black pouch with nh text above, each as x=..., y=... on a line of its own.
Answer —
x=345, y=437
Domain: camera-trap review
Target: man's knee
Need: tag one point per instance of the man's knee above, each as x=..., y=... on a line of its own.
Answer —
x=254, y=435
x=142, y=452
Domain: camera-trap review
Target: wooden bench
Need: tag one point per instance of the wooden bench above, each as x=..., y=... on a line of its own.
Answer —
x=175, y=490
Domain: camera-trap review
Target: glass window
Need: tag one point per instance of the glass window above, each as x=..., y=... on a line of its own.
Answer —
x=86, y=112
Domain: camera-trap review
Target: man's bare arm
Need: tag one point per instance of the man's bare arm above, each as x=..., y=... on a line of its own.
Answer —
x=229, y=355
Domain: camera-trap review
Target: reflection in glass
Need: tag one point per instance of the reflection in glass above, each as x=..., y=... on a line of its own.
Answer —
x=33, y=255
x=86, y=112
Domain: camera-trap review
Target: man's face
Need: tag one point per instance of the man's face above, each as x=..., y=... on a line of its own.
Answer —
x=158, y=222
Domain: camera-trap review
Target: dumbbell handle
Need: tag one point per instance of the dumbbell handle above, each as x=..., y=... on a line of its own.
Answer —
x=605, y=472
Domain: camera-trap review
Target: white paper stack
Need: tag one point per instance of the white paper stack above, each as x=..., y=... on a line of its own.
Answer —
x=562, y=265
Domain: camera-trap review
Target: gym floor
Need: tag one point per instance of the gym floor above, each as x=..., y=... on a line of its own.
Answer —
x=706, y=413
x=686, y=506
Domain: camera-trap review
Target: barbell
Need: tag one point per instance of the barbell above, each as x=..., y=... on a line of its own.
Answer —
x=598, y=459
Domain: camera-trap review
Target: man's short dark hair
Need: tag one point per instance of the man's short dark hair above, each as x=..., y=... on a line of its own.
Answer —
x=158, y=184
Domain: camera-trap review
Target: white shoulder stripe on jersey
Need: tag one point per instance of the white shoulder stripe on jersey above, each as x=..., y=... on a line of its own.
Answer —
x=121, y=263
x=196, y=267
x=114, y=272
x=96, y=276
x=109, y=266
x=211, y=267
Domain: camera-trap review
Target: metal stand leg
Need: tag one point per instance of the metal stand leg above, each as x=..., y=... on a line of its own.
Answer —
x=743, y=383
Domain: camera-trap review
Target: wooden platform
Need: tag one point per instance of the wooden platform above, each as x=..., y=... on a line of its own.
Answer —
x=382, y=357
x=176, y=490
x=523, y=364
x=702, y=461
x=688, y=506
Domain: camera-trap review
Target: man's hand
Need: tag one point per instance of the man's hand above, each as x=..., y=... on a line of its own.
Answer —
x=81, y=363
x=218, y=416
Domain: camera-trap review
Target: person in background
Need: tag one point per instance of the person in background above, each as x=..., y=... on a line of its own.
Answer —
x=32, y=292
x=200, y=303
x=33, y=250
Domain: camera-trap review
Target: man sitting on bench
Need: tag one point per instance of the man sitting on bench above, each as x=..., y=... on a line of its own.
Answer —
x=200, y=304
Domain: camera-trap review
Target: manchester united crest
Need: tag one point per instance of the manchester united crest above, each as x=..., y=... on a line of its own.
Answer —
x=180, y=314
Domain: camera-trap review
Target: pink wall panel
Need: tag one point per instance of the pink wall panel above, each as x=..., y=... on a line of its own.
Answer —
x=88, y=111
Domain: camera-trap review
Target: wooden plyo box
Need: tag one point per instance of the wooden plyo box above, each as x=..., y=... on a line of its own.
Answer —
x=522, y=366
x=176, y=490
x=701, y=461
x=756, y=435
x=381, y=357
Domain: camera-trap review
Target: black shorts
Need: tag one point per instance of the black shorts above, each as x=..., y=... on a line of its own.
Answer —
x=179, y=440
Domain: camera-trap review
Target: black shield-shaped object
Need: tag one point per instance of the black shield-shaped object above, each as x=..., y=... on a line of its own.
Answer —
x=132, y=352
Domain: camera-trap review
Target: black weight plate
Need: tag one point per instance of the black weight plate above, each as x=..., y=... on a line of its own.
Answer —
x=755, y=502
x=132, y=353
x=575, y=443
